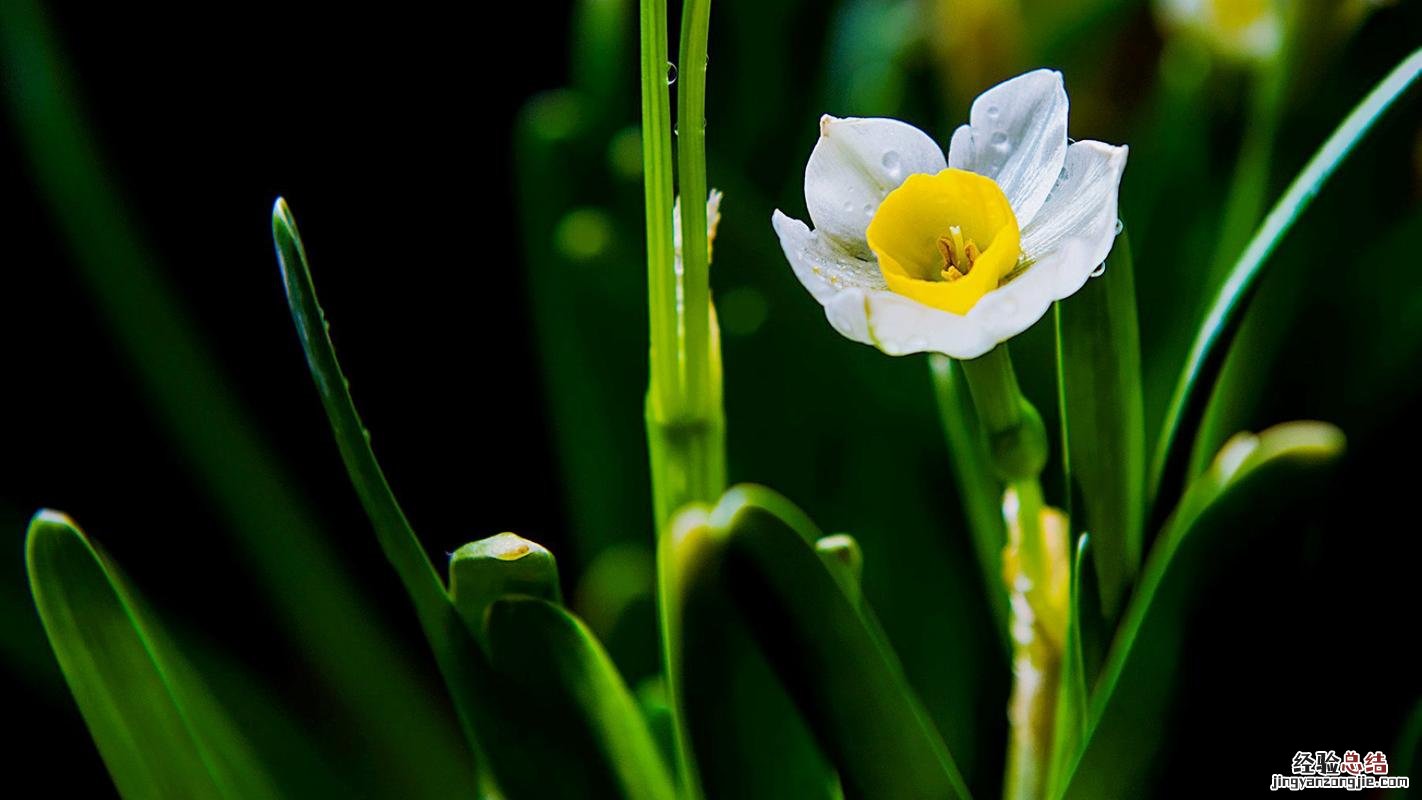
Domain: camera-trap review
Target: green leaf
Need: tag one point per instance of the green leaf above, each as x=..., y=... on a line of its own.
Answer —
x=557, y=683
x=483, y=571
x=442, y=626
x=159, y=731
x=1206, y=354
x=978, y=487
x=748, y=739
x=1103, y=421
x=828, y=651
x=1252, y=479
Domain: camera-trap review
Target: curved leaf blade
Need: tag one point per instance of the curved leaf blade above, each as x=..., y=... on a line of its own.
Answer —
x=830, y=654
x=557, y=683
x=159, y=731
x=1206, y=354
x=1253, y=475
x=746, y=738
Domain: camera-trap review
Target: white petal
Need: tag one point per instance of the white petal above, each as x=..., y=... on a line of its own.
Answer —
x=900, y=326
x=854, y=164
x=1074, y=231
x=1017, y=135
x=820, y=264
x=1070, y=236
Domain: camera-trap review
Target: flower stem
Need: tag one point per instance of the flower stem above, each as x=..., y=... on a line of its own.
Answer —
x=691, y=173
x=1034, y=567
x=684, y=416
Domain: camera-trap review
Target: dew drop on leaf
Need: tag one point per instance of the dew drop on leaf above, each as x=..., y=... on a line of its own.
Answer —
x=671, y=73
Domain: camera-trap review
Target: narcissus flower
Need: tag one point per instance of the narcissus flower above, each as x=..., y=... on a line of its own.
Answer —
x=915, y=253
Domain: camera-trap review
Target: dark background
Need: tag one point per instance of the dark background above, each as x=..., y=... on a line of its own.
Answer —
x=373, y=126
x=392, y=137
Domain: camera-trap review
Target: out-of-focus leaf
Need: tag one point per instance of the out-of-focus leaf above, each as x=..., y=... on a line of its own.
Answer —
x=367, y=681
x=1205, y=356
x=977, y=484
x=555, y=676
x=1103, y=421
x=829, y=653
x=1253, y=477
x=1406, y=755
x=160, y=732
x=748, y=739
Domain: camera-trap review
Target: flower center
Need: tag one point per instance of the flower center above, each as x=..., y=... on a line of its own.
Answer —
x=945, y=240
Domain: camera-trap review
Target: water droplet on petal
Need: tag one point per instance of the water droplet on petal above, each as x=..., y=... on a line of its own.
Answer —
x=999, y=139
x=1099, y=271
x=848, y=205
x=1120, y=226
x=671, y=73
x=891, y=161
x=993, y=111
x=868, y=209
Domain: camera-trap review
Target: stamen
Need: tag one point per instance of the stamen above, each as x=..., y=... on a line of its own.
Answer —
x=958, y=255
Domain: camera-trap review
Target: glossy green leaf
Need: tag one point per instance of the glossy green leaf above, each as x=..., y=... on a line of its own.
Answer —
x=159, y=731
x=979, y=489
x=828, y=651
x=1252, y=479
x=557, y=682
x=1103, y=421
x=748, y=739
x=442, y=626
x=1206, y=354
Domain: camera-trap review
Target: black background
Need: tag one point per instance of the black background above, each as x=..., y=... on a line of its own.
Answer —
x=371, y=124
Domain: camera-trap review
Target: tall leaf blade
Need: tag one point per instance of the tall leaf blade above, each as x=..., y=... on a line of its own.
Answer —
x=1206, y=355
x=1251, y=480
x=1103, y=421
x=158, y=730
x=447, y=635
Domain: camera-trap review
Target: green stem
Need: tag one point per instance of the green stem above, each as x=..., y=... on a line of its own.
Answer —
x=980, y=496
x=684, y=417
x=1016, y=438
x=691, y=172
x=1018, y=447
x=657, y=185
x=1244, y=204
